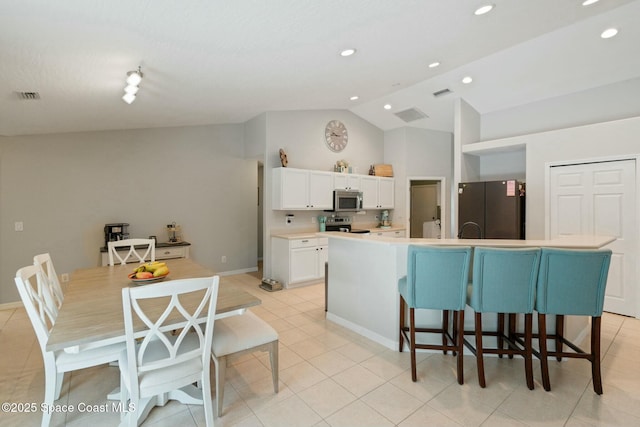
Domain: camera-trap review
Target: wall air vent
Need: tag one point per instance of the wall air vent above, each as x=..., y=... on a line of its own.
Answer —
x=30, y=96
x=411, y=115
x=442, y=92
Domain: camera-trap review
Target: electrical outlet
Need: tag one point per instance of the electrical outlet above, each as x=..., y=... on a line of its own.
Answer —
x=64, y=277
x=313, y=220
x=19, y=226
x=224, y=259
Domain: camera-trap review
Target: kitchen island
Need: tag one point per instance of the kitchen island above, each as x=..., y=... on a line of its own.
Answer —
x=362, y=292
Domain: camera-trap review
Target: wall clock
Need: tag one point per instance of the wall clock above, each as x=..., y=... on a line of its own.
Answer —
x=336, y=136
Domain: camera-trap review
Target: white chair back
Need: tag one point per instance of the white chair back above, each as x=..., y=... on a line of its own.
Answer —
x=137, y=253
x=38, y=302
x=48, y=273
x=153, y=349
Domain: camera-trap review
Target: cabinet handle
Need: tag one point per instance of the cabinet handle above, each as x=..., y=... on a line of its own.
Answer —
x=305, y=241
x=167, y=252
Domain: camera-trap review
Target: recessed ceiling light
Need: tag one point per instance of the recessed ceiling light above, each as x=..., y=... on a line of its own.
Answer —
x=347, y=52
x=483, y=9
x=589, y=2
x=434, y=64
x=608, y=33
x=387, y=106
x=354, y=98
x=467, y=80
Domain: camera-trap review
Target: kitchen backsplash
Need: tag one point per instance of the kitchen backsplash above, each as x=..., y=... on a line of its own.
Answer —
x=302, y=220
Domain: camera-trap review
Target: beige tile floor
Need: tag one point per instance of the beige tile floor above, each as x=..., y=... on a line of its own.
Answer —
x=330, y=376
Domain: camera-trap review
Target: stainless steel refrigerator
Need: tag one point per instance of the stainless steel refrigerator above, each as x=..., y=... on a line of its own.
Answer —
x=491, y=210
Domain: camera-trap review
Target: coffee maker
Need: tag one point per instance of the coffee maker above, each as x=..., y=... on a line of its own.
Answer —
x=115, y=232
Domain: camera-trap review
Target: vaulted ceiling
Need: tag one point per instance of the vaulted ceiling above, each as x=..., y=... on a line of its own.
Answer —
x=215, y=61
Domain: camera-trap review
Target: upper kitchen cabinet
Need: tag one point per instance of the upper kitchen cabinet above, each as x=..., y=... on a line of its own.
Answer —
x=301, y=189
x=377, y=192
x=344, y=181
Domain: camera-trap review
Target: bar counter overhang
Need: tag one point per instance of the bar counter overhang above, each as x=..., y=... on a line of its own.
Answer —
x=363, y=275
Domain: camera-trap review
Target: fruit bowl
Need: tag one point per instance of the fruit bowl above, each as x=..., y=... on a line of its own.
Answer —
x=149, y=272
x=134, y=279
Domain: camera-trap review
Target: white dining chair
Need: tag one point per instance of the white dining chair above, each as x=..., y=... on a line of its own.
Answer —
x=49, y=276
x=242, y=334
x=146, y=245
x=41, y=309
x=158, y=364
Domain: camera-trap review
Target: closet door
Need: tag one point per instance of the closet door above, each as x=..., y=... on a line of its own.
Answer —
x=600, y=199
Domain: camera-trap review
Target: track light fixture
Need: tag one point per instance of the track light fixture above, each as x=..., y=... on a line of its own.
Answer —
x=133, y=85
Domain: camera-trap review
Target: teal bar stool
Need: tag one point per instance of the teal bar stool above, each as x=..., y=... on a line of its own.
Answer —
x=436, y=279
x=571, y=282
x=504, y=281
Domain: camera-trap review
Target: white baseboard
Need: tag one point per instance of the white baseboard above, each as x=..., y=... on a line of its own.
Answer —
x=241, y=271
x=11, y=305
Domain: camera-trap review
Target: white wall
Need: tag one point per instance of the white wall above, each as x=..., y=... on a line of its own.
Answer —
x=595, y=141
x=65, y=187
x=301, y=135
x=600, y=104
x=503, y=166
x=415, y=152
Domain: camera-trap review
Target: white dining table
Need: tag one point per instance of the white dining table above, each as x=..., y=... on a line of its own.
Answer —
x=92, y=315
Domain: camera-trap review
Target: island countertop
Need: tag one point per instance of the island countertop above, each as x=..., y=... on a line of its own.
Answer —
x=568, y=242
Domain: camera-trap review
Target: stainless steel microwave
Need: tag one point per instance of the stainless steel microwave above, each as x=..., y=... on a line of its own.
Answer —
x=347, y=200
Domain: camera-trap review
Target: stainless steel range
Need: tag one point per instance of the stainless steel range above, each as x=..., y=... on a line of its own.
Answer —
x=342, y=223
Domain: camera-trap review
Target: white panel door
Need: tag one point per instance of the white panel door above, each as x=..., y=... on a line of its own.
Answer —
x=600, y=198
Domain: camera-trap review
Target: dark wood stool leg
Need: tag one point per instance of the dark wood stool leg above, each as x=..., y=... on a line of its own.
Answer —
x=459, y=337
x=559, y=335
x=542, y=343
x=500, y=332
x=479, y=361
x=512, y=329
x=455, y=330
x=528, y=354
x=596, y=374
x=445, y=328
x=401, y=339
x=412, y=337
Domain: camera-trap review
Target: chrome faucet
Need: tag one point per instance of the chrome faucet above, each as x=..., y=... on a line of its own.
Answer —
x=467, y=224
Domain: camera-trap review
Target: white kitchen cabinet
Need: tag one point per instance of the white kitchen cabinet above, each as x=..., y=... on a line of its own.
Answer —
x=300, y=189
x=297, y=262
x=343, y=181
x=377, y=192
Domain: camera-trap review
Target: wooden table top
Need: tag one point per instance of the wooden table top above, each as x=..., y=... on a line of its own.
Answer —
x=92, y=308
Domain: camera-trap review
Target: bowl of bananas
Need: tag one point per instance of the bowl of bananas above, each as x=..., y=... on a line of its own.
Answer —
x=149, y=272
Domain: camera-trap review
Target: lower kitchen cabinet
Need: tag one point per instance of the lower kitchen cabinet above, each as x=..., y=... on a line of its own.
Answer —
x=297, y=262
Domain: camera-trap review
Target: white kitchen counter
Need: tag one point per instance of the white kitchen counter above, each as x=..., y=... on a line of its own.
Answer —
x=313, y=234
x=363, y=281
x=568, y=242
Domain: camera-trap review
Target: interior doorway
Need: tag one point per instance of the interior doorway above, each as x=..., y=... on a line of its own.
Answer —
x=426, y=207
x=260, y=215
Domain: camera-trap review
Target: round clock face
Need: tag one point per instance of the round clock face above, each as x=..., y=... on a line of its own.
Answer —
x=335, y=134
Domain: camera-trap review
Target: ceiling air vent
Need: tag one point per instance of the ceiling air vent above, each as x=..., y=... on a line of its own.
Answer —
x=410, y=115
x=442, y=92
x=28, y=95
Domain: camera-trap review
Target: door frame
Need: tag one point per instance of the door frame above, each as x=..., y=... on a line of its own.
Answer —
x=604, y=159
x=443, y=205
